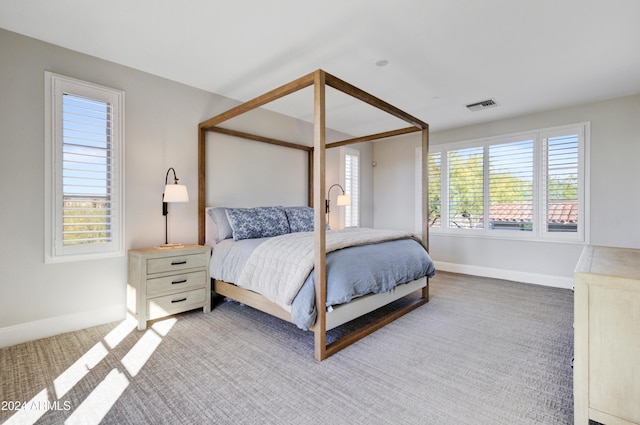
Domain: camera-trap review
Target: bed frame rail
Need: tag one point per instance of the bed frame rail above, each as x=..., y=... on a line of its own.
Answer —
x=340, y=314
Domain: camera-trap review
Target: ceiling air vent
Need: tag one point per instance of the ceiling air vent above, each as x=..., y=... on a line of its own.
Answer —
x=485, y=104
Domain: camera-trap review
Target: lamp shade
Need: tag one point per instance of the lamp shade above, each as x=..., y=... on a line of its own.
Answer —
x=175, y=193
x=343, y=200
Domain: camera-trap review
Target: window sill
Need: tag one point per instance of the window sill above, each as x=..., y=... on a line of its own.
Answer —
x=531, y=238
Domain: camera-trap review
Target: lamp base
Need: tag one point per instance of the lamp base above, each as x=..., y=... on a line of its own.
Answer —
x=170, y=245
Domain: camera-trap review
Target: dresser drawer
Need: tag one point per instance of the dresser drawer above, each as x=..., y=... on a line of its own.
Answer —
x=176, y=303
x=180, y=262
x=177, y=282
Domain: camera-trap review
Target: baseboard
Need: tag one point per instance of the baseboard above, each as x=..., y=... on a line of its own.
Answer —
x=37, y=329
x=516, y=276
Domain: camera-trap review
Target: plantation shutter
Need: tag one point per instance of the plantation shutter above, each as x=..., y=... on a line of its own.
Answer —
x=561, y=186
x=87, y=160
x=466, y=188
x=511, y=186
x=535, y=184
x=352, y=187
x=84, y=163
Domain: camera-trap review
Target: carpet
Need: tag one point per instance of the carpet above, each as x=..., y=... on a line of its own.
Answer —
x=482, y=351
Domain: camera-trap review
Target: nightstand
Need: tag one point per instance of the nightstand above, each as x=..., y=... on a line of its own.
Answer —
x=163, y=282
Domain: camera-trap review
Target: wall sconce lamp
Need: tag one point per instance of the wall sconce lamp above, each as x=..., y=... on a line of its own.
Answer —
x=343, y=199
x=172, y=193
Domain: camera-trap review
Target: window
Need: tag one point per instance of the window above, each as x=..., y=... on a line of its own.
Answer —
x=511, y=185
x=466, y=188
x=84, y=169
x=351, y=178
x=561, y=183
x=531, y=186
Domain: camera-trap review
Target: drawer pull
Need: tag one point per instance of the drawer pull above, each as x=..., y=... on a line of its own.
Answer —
x=178, y=301
x=177, y=263
x=179, y=281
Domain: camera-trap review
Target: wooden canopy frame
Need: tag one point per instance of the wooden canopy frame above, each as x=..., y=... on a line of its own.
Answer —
x=319, y=79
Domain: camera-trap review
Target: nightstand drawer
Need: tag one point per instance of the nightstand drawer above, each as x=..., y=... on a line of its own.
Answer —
x=176, y=303
x=176, y=282
x=180, y=262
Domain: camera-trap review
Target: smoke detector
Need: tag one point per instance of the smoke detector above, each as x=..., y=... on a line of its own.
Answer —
x=485, y=104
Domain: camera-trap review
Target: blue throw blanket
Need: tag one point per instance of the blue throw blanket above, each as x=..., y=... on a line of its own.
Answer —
x=361, y=270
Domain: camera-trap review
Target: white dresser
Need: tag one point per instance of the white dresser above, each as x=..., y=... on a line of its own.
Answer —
x=607, y=336
x=168, y=281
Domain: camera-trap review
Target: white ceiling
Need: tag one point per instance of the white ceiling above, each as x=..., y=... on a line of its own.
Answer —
x=529, y=55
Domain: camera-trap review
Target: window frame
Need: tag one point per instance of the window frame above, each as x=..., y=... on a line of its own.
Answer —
x=56, y=86
x=582, y=185
x=539, y=222
x=355, y=200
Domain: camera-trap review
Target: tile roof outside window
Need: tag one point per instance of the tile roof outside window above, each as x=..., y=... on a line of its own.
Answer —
x=558, y=213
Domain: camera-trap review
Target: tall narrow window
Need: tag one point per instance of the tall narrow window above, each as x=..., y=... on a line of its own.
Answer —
x=466, y=188
x=561, y=184
x=85, y=196
x=87, y=161
x=351, y=178
x=511, y=186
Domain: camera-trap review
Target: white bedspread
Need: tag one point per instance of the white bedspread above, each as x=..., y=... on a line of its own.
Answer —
x=278, y=268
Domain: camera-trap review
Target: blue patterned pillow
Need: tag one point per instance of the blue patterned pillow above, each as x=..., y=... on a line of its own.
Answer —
x=300, y=219
x=259, y=222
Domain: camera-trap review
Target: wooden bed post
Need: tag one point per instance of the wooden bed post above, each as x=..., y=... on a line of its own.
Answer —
x=202, y=178
x=310, y=177
x=319, y=246
x=425, y=198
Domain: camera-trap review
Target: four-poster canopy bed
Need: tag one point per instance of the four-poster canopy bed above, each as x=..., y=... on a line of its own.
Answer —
x=316, y=184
